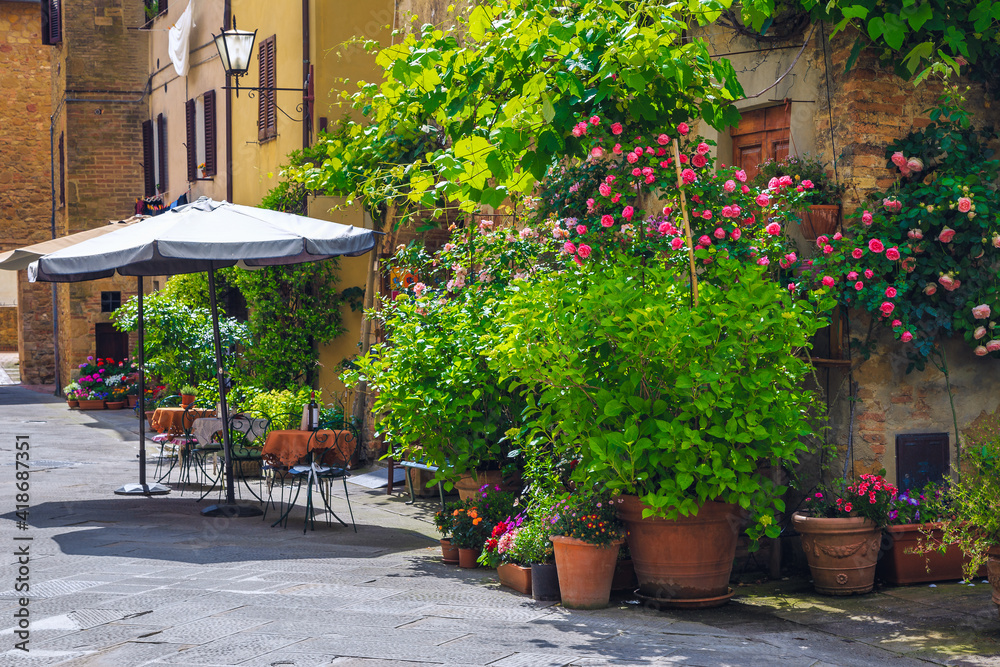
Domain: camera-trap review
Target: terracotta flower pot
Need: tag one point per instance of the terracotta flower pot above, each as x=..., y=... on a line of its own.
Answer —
x=72, y=403
x=187, y=399
x=544, y=582
x=449, y=552
x=467, y=557
x=993, y=570
x=87, y=404
x=132, y=401
x=820, y=219
x=468, y=484
x=515, y=576
x=687, y=561
x=842, y=553
x=900, y=568
x=585, y=571
x=115, y=405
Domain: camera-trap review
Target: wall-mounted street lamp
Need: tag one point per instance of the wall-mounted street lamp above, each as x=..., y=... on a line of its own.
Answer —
x=235, y=49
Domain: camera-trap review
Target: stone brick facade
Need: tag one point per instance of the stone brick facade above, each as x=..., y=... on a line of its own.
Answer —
x=8, y=329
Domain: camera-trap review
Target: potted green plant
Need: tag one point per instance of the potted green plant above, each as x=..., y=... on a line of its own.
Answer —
x=586, y=535
x=822, y=215
x=975, y=526
x=188, y=395
x=444, y=522
x=841, y=531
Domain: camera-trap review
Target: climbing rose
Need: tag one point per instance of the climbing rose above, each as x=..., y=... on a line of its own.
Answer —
x=996, y=240
x=946, y=235
x=838, y=236
x=583, y=250
x=807, y=184
x=604, y=189
x=892, y=253
x=915, y=164
x=676, y=243
x=580, y=129
x=735, y=234
x=597, y=151
x=784, y=181
x=964, y=204
x=930, y=289
x=859, y=285
x=741, y=176
x=663, y=140
x=763, y=261
x=981, y=312
x=682, y=128
x=569, y=247
x=827, y=249
x=704, y=240
x=580, y=229
x=595, y=120
x=719, y=233
x=729, y=186
x=616, y=128
x=773, y=229
x=981, y=351
x=745, y=189
x=822, y=241
x=617, y=150
x=875, y=245
x=857, y=253
x=897, y=323
x=947, y=282
x=898, y=159
x=688, y=176
x=762, y=200
x=699, y=161
x=890, y=292
x=631, y=157
x=906, y=337
x=853, y=275
x=869, y=273
x=607, y=220
x=703, y=148
x=628, y=212
x=828, y=281
x=773, y=184
x=993, y=346
x=866, y=218
x=979, y=333
x=887, y=307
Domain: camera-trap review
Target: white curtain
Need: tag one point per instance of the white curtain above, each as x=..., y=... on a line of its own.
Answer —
x=180, y=36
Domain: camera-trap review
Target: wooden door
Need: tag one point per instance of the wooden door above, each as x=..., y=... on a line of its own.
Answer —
x=762, y=134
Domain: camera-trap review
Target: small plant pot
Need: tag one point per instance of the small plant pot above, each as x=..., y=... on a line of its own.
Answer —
x=516, y=577
x=115, y=405
x=91, y=405
x=449, y=552
x=467, y=557
x=544, y=582
x=73, y=403
x=133, y=401
x=186, y=400
x=585, y=571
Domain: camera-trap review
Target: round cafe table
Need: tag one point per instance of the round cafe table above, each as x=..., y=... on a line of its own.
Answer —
x=286, y=448
x=177, y=421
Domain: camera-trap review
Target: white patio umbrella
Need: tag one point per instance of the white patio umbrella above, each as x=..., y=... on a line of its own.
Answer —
x=202, y=236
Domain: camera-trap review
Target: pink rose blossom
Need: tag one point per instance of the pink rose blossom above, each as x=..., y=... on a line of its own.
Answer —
x=947, y=282
x=590, y=205
x=762, y=200
x=807, y=184
x=930, y=289
x=583, y=250
x=705, y=241
x=981, y=312
x=773, y=184
x=890, y=292
x=993, y=346
x=915, y=164
x=773, y=229
x=607, y=220
x=597, y=152
x=703, y=148
x=763, y=261
x=628, y=212
x=580, y=129
x=866, y=218
x=616, y=128
x=838, y=236
x=859, y=286
x=580, y=229
x=964, y=204
x=719, y=233
x=822, y=241
x=741, y=176
x=688, y=176
x=569, y=248
x=980, y=332
x=699, y=161
x=887, y=307
x=869, y=273
x=683, y=159
x=617, y=150
x=649, y=150
x=604, y=189
x=898, y=159
x=906, y=337
x=729, y=185
x=791, y=257
x=682, y=128
x=676, y=243
x=735, y=234
x=617, y=196
x=853, y=275
x=981, y=351
x=636, y=171
x=857, y=253
x=784, y=181
x=875, y=245
x=828, y=281
x=632, y=158
x=827, y=249
x=745, y=189
x=892, y=253
x=663, y=140
x=946, y=235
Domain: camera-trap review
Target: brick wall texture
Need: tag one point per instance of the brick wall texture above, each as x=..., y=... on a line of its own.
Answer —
x=8, y=329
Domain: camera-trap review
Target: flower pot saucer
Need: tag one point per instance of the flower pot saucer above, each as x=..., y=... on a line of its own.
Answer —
x=450, y=561
x=689, y=603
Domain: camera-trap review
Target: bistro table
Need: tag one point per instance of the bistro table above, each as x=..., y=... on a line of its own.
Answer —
x=325, y=452
x=177, y=421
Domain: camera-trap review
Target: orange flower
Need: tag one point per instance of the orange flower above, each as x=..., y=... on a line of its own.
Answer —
x=473, y=514
x=476, y=522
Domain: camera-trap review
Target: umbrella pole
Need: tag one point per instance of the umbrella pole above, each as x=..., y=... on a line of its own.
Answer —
x=142, y=489
x=229, y=508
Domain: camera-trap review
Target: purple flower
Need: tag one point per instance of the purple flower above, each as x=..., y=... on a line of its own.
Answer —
x=893, y=514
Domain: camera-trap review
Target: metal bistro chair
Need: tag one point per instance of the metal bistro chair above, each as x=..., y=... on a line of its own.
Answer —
x=247, y=431
x=175, y=447
x=329, y=461
x=275, y=473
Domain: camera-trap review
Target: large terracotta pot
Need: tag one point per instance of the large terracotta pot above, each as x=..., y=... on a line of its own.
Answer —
x=820, y=219
x=449, y=552
x=544, y=582
x=993, y=569
x=842, y=553
x=686, y=561
x=467, y=557
x=585, y=571
x=469, y=483
x=900, y=568
x=515, y=576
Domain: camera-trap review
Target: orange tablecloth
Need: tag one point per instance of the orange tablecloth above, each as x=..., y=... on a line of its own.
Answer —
x=289, y=447
x=177, y=420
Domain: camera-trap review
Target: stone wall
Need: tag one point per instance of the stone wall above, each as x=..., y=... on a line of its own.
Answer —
x=8, y=329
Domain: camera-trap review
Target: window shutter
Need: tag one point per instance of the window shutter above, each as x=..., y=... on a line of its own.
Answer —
x=149, y=175
x=267, y=108
x=161, y=135
x=192, y=140
x=51, y=21
x=209, y=133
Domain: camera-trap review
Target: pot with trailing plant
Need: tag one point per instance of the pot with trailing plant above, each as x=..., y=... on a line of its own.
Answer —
x=502, y=552
x=474, y=519
x=443, y=521
x=646, y=353
x=586, y=536
x=975, y=525
x=72, y=393
x=821, y=216
x=841, y=531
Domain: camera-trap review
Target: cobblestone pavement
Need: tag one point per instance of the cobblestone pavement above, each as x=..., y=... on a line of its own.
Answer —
x=123, y=581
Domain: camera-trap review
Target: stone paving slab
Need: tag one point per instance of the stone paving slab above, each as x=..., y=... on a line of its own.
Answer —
x=126, y=582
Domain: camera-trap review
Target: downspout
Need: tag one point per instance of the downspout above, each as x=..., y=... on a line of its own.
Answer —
x=227, y=20
x=306, y=56
x=52, y=225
